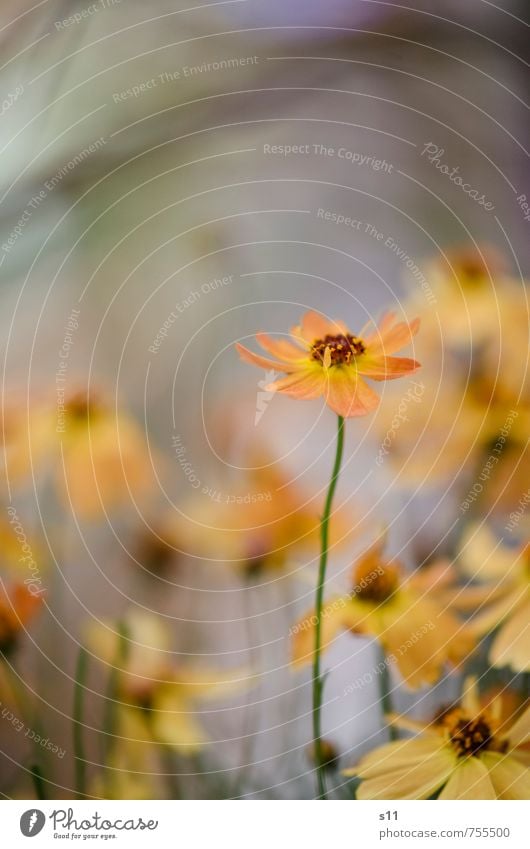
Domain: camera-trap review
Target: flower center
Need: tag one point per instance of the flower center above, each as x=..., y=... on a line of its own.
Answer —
x=337, y=350
x=469, y=736
x=376, y=583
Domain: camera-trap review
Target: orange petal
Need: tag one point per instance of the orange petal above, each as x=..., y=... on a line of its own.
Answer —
x=257, y=360
x=304, y=385
x=348, y=395
x=386, y=368
x=281, y=348
x=315, y=326
x=389, y=338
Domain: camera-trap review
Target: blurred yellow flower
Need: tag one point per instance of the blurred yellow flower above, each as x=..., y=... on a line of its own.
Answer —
x=474, y=340
x=262, y=526
x=133, y=769
x=105, y=461
x=417, y=630
x=98, y=457
x=471, y=751
x=502, y=597
x=325, y=358
x=164, y=693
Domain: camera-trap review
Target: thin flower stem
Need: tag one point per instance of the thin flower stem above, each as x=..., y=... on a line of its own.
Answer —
x=112, y=694
x=386, y=697
x=79, y=749
x=318, y=681
x=38, y=781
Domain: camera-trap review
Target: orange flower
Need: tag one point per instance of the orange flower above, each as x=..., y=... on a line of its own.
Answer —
x=327, y=359
x=17, y=606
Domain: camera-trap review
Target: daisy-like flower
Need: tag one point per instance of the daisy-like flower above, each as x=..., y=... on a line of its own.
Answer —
x=408, y=615
x=323, y=358
x=106, y=461
x=267, y=524
x=97, y=458
x=471, y=751
x=17, y=606
x=162, y=694
x=502, y=596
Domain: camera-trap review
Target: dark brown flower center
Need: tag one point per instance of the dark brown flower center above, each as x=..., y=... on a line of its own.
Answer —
x=376, y=584
x=79, y=407
x=469, y=736
x=337, y=350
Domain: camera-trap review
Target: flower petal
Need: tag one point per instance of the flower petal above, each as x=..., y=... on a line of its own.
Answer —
x=315, y=326
x=519, y=733
x=305, y=385
x=510, y=778
x=511, y=646
x=470, y=780
x=257, y=360
x=405, y=769
x=303, y=643
x=348, y=394
x=389, y=337
x=281, y=348
x=385, y=368
x=204, y=684
x=174, y=724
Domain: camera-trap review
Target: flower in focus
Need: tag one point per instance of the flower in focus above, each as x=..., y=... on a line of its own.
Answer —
x=415, y=627
x=502, y=595
x=163, y=695
x=17, y=607
x=470, y=751
x=324, y=358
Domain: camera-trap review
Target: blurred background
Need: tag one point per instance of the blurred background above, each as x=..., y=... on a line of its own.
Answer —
x=176, y=177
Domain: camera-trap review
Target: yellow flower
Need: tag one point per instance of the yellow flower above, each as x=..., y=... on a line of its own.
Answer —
x=325, y=358
x=262, y=526
x=133, y=769
x=27, y=434
x=98, y=458
x=165, y=694
x=405, y=614
x=503, y=597
x=469, y=285
x=105, y=457
x=470, y=751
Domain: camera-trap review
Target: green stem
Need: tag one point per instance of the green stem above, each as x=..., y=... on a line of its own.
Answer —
x=318, y=681
x=112, y=694
x=79, y=749
x=386, y=697
x=38, y=781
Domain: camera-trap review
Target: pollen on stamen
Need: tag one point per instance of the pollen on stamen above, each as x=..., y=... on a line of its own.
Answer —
x=337, y=350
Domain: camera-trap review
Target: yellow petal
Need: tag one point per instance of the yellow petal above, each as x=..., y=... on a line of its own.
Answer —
x=511, y=646
x=519, y=733
x=173, y=723
x=483, y=556
x=510, y=778
x=470, y=780
x=416, y=779
x=401, y=754
x=204, y=684
x=303, y=633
